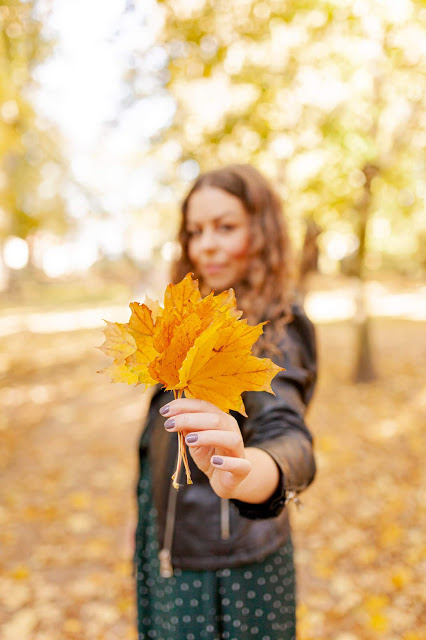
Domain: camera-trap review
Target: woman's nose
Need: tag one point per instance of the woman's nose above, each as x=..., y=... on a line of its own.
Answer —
x=208, y=240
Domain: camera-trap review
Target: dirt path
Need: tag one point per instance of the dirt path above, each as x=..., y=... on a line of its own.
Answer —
x=68, y=460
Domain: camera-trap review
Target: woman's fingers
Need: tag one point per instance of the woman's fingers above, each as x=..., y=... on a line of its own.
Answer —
x=236, y=466
x=195, y=421
x=228, y=440
x=188, y=405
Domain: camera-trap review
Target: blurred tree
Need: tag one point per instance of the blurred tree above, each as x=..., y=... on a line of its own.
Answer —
x=309, y=256
x=324, y=96
x=31, y=169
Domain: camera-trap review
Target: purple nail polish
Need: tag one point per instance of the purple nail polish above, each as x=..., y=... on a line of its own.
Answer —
x=217, y=460
x=165, y=409
x=191, y=438
x=170, y=423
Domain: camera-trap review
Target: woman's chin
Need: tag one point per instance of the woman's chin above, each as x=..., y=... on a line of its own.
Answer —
x=217, y=283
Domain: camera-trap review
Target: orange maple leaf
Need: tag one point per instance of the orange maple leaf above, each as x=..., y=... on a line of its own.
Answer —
x=179, y=301
x=194, y=320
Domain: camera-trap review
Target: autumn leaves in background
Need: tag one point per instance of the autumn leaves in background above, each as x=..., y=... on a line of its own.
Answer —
x=192, y=345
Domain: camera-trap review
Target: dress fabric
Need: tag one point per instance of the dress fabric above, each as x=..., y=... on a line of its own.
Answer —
x=251, y=602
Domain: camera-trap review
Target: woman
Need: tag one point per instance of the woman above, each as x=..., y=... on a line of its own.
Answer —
x=226, y=569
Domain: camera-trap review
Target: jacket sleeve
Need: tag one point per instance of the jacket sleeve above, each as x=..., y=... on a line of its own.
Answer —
x=276, y=423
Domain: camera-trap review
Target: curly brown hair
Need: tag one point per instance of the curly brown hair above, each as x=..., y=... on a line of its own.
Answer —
x=267, y=289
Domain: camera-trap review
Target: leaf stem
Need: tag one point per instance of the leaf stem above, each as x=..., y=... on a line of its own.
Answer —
x=182, y=454
x=175, y=476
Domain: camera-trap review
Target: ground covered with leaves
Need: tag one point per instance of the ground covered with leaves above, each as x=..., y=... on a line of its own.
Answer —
x=68, y=442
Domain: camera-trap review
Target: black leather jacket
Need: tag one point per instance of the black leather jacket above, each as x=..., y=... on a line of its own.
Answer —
x=275, y=424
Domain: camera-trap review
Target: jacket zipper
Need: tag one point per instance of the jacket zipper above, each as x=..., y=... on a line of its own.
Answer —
x=224, y=519
x=165, y=554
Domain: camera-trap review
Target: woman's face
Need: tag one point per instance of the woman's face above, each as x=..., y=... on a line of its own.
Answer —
x=218, y=227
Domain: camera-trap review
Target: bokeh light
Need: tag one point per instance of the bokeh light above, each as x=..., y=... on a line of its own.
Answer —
x=15, y=253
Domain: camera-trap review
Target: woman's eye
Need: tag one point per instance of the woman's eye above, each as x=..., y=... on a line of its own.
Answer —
x=226, y=227
x=192, y=233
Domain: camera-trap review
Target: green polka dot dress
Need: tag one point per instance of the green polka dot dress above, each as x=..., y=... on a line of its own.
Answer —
x=252, y=602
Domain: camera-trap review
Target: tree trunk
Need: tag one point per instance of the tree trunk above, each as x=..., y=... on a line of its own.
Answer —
x=364, y=368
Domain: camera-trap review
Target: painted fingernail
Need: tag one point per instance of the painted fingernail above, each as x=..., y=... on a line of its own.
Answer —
x=217, y=460
x=165, y=409
x=170, y=423
x=191, y=438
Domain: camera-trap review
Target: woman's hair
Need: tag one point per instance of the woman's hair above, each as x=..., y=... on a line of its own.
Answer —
x=266, y=291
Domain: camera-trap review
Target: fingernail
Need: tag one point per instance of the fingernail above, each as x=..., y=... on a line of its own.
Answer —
x=165, y=409
x=170, y=423
x=217, y=460
x=191, y=438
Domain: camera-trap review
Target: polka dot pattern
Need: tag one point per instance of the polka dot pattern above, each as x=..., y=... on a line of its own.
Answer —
x=252, y=602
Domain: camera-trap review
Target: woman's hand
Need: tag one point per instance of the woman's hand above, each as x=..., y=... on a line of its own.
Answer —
x=214, y=441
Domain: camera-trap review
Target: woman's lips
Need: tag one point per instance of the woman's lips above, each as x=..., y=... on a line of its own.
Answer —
x=213, y=268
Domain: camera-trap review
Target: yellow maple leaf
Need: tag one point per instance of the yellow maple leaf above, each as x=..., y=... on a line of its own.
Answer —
x=120, y=373
x=153, y=306
x=131, y=347
x=140, y=325
x=238, y=336
x=226, y=303
x=219, y=367
x=119, y=343
x=138, y=371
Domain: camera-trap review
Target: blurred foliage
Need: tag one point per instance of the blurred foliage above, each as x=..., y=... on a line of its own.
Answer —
x=39, y=293
x=31, y=169
x=315, y=94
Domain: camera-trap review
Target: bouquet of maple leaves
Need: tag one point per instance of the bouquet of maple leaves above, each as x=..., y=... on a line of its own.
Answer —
x=195, y=346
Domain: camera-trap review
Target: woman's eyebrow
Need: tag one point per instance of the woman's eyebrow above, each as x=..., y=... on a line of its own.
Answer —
x=216, y=218
x=226, y=213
